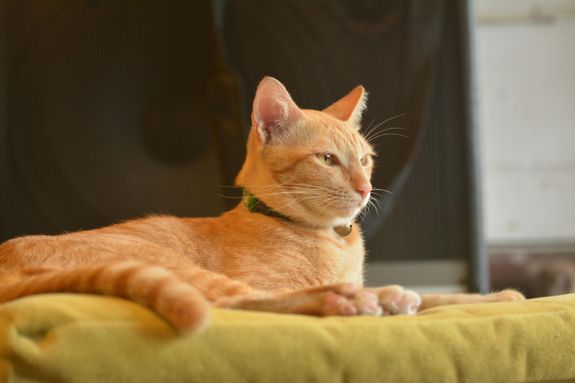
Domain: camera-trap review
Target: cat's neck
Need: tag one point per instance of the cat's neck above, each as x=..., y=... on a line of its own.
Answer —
x=255, y=205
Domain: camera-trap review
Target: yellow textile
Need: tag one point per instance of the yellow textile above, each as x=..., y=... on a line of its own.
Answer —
x=83, y=338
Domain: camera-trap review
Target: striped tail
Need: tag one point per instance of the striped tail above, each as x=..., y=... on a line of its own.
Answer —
x=155, y=287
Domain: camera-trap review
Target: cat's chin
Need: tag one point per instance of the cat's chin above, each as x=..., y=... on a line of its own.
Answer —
x=323, y=222
x=349, y=214
x=344, y=219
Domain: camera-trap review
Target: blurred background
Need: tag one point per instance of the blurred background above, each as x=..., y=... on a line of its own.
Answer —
x=525, y=60
x=113, y=110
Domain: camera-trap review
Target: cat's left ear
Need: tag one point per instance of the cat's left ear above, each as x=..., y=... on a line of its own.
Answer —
x=350, y=107
x=274, y=111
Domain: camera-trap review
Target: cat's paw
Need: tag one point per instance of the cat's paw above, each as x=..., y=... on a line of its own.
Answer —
x=395, y=300
x=388, y=300
x=508, y=295
x=358, y=303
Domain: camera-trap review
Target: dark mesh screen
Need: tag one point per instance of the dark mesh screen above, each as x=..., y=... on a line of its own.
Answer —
x=116, y=109
x=432, y=217
x=407, y=55
x=112, y=115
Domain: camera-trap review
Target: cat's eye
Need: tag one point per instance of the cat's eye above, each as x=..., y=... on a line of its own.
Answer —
x=328, y=158
x=365, y=160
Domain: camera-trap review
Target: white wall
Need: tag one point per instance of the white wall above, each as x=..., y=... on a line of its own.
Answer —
x=525, y=52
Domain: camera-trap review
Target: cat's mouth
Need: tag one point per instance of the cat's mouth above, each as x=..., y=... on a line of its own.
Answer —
x=363, y=201
x=351, y=209
x=330, y=205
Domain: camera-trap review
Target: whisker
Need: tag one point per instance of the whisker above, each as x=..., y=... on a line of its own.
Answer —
x=394, y=117
x=365, y=211
x=378, y=203
x=390, y=119
x=371, y=139
x=231, y=186
x=369, y=127
x=293, y=192
x=382, y=190
x=322, y=200
x=229, y=196
x=371, y=203
x=374, y=132
x=373, y=129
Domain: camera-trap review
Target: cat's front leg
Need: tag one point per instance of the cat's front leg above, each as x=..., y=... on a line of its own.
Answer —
x=331, y=300
x=396, y=300
x=432, y=300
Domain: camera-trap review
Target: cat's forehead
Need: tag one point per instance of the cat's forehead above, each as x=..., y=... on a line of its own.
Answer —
x=328, y=130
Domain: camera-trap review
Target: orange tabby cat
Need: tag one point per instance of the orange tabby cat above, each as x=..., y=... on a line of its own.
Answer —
x=291, y=246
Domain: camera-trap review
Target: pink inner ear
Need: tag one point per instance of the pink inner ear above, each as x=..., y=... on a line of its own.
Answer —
x=273, y=109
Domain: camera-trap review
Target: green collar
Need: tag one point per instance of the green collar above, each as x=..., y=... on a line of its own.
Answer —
x=255, y=205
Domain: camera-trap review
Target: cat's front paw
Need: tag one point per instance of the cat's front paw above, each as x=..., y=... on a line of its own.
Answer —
x=388, y=300
x=358, y=303
x=508, y=295
x=395, y=300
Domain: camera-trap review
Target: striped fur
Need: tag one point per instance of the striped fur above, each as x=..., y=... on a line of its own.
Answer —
x=153, y=286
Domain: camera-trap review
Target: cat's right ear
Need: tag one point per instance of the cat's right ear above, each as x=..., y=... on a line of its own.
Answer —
x=273, y=110
x=350, y=107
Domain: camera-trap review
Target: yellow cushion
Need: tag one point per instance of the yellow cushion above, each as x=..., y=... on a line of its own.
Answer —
x=83, y=338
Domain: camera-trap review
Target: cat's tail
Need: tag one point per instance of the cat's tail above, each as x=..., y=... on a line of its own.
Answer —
x=155, y=287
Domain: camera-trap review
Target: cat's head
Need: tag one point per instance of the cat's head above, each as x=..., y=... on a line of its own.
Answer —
x=311, y=166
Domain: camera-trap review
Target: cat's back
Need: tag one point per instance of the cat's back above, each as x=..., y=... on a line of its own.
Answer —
x=145, y=238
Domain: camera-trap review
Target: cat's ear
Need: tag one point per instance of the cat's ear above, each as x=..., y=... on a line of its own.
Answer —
x=350, y=107
x=273, y=110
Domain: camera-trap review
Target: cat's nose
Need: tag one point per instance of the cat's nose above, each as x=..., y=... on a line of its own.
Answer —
x=363, y=189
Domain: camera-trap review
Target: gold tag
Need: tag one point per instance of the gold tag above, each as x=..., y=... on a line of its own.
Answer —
x=343, y=230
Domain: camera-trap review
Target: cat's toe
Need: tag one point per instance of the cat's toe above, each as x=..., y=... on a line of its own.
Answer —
x=409, y=303
x=335, y=304
x=361, y=303
x=395, y=300
x=367, y=303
